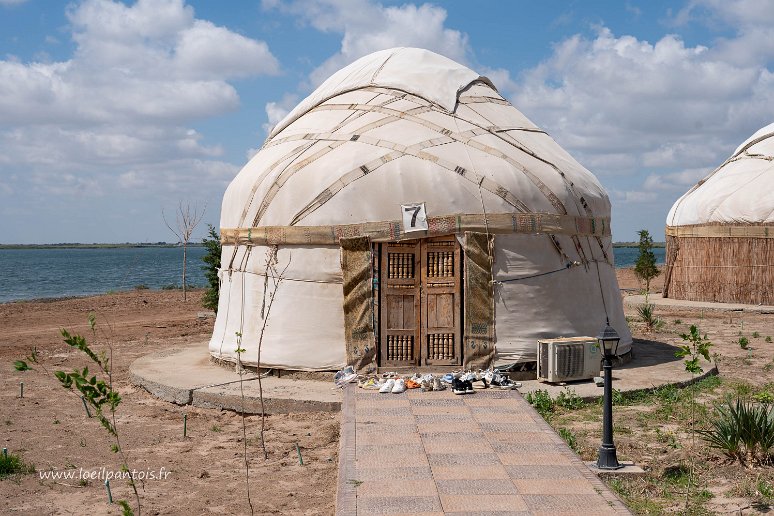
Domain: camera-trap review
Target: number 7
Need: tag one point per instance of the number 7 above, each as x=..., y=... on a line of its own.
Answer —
x=414, y=215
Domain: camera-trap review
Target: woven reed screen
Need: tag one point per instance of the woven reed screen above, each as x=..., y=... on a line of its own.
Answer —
x=720, y=269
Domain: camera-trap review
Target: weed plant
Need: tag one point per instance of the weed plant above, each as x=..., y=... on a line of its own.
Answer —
x=13, y=464
x=743, y=431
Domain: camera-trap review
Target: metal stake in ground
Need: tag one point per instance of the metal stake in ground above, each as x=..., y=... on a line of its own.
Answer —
x=21, y=389
x=608, y=340
x=107, y=488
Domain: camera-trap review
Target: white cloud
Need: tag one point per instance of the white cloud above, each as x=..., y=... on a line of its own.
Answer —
x=368, y=26
x=620, y=104
x=120, y=103
x=150, y=61
x=110, y=124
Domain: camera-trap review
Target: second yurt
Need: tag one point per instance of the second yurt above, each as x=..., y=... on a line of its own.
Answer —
x=720, y=234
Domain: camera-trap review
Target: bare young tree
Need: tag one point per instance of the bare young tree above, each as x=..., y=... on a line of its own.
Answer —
x=186, y=220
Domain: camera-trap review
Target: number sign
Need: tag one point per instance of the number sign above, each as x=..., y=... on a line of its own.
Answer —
x=414, y=217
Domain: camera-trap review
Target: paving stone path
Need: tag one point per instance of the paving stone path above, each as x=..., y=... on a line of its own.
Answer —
x=438, y=453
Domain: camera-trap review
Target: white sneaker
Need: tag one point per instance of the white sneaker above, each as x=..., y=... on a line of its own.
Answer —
x=400, y=386
x=387, y=387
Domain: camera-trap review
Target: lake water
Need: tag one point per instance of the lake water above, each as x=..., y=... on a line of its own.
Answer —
x=49, y=273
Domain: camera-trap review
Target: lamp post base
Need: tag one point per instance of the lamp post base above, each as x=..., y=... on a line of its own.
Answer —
x=607, y=458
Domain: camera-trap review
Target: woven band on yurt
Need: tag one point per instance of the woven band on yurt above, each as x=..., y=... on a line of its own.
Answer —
x=479, y=317
x=358, y=311
x=722, y=230
x=392, y=230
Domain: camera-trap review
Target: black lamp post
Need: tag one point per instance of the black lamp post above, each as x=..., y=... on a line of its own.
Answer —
x=608, y=340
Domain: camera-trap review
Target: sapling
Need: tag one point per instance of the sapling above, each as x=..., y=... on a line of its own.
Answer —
x=696, y=346
x=96, y=391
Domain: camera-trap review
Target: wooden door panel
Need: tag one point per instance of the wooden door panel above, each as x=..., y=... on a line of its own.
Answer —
x=441, y=303
x=440, y=311
x=400, y=312
x=399, y=287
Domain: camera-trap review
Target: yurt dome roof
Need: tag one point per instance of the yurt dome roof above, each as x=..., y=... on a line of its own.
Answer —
x=403, y=124
x=413, y=70
x=740, y=191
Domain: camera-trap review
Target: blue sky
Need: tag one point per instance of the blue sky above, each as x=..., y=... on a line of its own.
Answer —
x=111, y=112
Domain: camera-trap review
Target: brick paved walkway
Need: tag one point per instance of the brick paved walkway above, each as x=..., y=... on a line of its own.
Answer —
x=428, y=453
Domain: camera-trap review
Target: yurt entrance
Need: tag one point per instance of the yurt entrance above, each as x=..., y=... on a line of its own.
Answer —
x=420, y=298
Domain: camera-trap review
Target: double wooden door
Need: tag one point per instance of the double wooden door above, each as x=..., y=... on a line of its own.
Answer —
x=420, y=290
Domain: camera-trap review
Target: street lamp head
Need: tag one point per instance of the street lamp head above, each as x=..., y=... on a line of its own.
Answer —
x=608, y=339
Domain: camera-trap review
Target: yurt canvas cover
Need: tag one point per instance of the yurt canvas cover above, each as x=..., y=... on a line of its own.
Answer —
x=406, y=214
x=720, y=234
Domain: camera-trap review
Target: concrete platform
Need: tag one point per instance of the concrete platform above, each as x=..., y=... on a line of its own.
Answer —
x=438, y=453
x=656, y=299
x=653, y=364
x=187, y=377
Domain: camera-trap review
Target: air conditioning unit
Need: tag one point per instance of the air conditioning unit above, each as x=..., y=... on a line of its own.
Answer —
x=567, y=359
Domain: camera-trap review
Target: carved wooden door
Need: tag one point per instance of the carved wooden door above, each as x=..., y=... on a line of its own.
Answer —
x=440, y=301
x=420, y=303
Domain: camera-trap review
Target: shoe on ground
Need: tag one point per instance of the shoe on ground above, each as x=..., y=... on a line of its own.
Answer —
x=370, y=383
x=426, y=385
x=412, y=384
x=458, y=386
x=399, y=386
x=347, y=378
x=468, y=387
x=448, y=378
x=438, y=385
x=387, y=386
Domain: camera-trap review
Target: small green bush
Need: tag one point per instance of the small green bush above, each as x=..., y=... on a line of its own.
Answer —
x=542, y=402
x=743, y=431
x=13, y=464
x=569, y=399
x=678, y=321
x=768, y=339
x=211, y=267
x=743, y=342
x=647, y=315
x=569, y=438
x=756, y=334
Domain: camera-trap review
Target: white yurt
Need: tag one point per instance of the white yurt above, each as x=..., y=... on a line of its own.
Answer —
x=406, y=215
x=720, y=234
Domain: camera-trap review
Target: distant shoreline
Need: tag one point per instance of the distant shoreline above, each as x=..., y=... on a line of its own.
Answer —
x=95, y=246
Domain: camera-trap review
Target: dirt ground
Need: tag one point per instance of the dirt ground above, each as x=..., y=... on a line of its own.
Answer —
x=49, y=429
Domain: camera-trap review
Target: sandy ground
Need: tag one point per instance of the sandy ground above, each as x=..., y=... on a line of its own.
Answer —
x=48, y=427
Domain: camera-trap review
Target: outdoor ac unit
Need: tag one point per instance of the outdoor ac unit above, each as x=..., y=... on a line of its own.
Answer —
x=568, y=359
